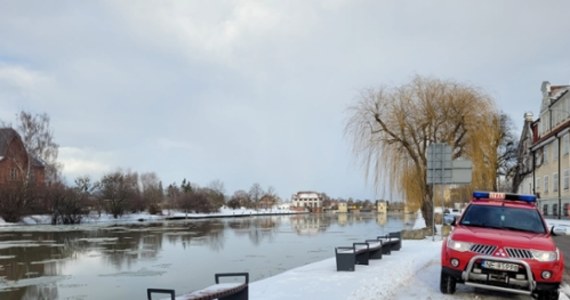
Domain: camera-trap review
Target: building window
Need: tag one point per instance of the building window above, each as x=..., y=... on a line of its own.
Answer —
x=546, y=184
x=565, y=210
x=13, y=174
x=555, y=182
x=555, y=210
x=545, y=209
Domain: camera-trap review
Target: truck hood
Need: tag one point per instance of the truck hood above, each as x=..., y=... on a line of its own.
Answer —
x=503, y=238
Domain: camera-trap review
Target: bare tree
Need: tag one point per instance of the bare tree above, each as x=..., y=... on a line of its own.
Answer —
x=185, y=200
x=269, y=198
x=202, y=202
x=507, y=152
x=117, y=191
x=172, y=195
x=240, y=198
x=67, y=206
x=218, y=186
x=85, y=189
x=255, y=193
x=392, y=128
x=39, y=141
x=215, y=193
x=14, y=201
x=84, y=185
x=152, y=193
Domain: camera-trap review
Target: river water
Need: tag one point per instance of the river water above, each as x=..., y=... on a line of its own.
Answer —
x=121, y=261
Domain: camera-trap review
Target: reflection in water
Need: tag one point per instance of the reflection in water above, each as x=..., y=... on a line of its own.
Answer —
x=348, y=219
x=255, y=228
x=25, y=256
x=41, y=292
x=122, y=261
x=409, y=219
x=382, y=218
x=310, y=224
x=342, y=218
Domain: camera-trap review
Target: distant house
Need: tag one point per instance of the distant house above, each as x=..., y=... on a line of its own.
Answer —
x=342, y=207
x=307, y=200
x=16, y=165
x=267, y=201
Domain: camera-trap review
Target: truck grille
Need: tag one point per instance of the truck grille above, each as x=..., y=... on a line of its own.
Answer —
x=518, y=253
x=483, y=249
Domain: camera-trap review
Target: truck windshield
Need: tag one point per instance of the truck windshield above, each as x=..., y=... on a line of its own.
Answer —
x=510, y=218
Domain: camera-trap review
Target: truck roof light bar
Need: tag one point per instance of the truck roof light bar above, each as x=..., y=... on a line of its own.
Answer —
x=505, y=196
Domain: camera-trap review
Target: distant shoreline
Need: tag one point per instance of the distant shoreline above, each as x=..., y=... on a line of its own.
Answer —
x=243, y=215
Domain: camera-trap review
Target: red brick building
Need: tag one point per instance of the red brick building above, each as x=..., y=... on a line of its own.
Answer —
x=15, y=162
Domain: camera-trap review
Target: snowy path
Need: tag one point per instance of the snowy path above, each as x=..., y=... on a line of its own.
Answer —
x=411, y=273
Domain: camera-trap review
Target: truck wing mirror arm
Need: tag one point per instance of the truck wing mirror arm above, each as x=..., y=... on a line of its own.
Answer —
x=560, y=230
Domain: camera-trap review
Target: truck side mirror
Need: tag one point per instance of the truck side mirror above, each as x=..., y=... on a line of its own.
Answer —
x=559, y=230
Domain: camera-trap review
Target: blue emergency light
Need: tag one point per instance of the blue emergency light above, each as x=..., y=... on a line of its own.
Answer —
x=505, y=196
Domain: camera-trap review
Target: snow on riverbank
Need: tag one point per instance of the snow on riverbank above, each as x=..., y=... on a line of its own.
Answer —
x=103, y=218
x=381, y=279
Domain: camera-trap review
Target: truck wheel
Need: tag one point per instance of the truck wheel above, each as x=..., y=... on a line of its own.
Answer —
x=548, y=295
x=447, y=283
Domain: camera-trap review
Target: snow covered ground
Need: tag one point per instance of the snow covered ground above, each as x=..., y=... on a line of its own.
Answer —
x=411, y=273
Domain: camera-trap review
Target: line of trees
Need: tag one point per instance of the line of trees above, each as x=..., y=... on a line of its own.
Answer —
x=116, y=193
x=122, y=192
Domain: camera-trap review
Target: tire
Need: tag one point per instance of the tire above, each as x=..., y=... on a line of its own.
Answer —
x=548, y=295
x=447, y=283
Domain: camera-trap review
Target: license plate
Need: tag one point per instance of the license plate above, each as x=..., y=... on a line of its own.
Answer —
x=502, y=266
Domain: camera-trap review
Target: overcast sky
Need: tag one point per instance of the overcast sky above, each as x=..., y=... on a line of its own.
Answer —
x=256, y=91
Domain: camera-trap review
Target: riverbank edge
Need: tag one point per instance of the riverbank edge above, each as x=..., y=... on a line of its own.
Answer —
x=45, y=220
x=230, y=216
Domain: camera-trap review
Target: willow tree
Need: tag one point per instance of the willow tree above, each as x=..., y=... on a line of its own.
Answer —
x=392, y=127
x=39, y=140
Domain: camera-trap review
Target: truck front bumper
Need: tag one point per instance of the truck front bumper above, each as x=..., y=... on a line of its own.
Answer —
x=519, y=282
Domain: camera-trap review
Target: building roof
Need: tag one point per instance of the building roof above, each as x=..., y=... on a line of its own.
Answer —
x=36, y=162
x=307, y=192
x=6, y=136
x=553, y=88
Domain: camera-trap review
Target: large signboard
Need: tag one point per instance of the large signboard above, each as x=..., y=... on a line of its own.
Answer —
x=439, y=164
x=461, y=170
x=442, y=170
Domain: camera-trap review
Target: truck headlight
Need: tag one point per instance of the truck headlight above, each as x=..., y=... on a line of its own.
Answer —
x=545, y=255
x=459, y=246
